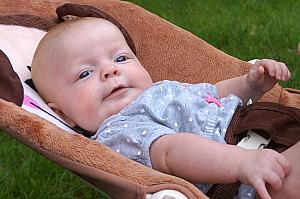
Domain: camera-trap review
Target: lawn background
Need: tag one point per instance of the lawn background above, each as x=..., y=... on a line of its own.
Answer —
x=244, y=29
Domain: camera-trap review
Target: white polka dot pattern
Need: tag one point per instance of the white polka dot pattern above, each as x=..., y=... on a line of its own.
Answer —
x=166, y=108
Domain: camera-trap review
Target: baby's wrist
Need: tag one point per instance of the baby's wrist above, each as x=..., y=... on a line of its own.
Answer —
x=239, y=172
x=254, y=91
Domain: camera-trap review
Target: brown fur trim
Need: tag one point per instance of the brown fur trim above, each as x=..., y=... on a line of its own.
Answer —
x=26, y=20
x=11, y=88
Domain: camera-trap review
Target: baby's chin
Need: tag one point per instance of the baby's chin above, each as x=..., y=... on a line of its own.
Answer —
x=110, y=109
x=123, y=103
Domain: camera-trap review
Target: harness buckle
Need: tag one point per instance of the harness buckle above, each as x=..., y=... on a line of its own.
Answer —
x=253, y=141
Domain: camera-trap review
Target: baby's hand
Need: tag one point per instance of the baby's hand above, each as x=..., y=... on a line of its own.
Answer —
x=265, y=73
x=259, y=167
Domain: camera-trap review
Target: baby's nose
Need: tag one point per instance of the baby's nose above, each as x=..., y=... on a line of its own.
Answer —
x=110, y=72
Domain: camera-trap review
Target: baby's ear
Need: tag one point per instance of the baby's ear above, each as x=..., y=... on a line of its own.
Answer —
x=58, y=111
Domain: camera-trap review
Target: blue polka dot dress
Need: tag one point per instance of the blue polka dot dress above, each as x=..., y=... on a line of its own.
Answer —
x=168, y=107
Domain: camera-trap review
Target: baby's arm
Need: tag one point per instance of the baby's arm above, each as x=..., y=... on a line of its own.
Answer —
x=261, y=78
x=199, y=160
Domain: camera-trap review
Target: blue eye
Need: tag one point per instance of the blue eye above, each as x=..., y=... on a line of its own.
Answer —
x=121, y=58
x=84, y=74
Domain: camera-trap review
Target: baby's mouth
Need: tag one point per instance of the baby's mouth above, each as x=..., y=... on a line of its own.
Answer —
x=117, y=91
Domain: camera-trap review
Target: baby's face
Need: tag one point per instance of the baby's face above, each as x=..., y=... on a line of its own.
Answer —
x=95, y=75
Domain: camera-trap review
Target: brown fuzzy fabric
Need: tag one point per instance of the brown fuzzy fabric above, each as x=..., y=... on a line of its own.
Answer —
x=11, y=88
x=165, y=50
x=90, y=160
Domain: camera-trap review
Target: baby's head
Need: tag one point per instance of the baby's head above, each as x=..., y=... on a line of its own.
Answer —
x=86, y=72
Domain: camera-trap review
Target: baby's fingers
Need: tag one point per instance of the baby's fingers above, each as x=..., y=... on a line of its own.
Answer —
x=257, y=73
x=285, y=73
x=261, y=189
x=277, y=70
x=269, y=66
x=260, y=185
x=285, y=164
x=274, y=180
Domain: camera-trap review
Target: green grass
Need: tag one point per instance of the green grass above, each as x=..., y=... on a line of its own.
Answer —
x=244, y=29
x=24, y=174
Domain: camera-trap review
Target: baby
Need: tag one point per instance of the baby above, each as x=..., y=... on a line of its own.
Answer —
x=88, y=75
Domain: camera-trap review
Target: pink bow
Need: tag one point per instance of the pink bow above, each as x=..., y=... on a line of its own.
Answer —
x=211, y=99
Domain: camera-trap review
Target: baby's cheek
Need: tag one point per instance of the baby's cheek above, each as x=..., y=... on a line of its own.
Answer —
x=88, y=123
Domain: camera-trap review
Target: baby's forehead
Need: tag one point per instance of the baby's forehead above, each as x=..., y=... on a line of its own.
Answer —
x=80, y=28
x=70, y=36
